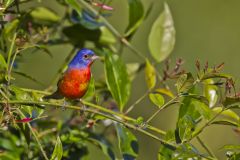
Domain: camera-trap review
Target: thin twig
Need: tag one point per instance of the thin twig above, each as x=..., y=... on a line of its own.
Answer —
x=137, y=102
x=204, y=145
x=161, y=108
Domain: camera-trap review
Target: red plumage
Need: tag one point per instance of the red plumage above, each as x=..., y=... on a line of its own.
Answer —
x=74, y=83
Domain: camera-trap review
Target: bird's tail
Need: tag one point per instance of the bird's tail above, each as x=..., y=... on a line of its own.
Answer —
x=55, y=95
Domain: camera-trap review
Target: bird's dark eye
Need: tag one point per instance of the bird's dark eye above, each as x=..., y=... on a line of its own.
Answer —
x=86, y=56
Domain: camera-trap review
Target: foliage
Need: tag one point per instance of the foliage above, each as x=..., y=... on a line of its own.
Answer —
x=26, y=126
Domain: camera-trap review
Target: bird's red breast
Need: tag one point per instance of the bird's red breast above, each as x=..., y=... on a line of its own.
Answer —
x=74, y=83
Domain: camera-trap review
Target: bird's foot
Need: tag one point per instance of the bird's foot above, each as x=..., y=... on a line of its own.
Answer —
x=82, y=105
x=64, y=105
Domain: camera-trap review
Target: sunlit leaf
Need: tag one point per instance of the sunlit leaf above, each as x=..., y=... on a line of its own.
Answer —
x=132, y=69
x=186, y=126
x=232, y=147
x=210, y=91
x=226, y=122
x=127, y=142
x=91, y=89
x=106, y=36
x=58, y=150
x=202, y=108
x=44, y=15
x=162, y=36
x=156, y=99
x=74, y=4
x=227, y=113
x=117, y=79
x=8, y=3
x=136, y=16
x=165, y=92
x=150, y=75
x=215, y=75
x=10, y=27
x=3, y=63
x=231, y=101
x=185, y=82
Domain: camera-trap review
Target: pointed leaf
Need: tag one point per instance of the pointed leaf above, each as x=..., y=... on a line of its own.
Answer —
x=74, y=4
x=58, y=150
x=161, y=39
x=106, y=36
x=185, y=82
x=128, y=143
x=150, y=75
x=136, y=16
x=226, y=122
x=156, y=99
x=215, y=75
x=44, y=15
x=186, y=126
x=165, y=92
x=210, y=91
x=117, y=79
x=227, y=113
x=10, y=27
x=3, y=63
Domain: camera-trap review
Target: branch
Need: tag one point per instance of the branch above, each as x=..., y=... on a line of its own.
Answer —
x=117, y=117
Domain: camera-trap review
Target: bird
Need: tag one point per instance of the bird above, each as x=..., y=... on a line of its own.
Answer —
x=75, y=80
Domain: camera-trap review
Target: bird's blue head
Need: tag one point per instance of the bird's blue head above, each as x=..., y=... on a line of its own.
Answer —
x=84, y=58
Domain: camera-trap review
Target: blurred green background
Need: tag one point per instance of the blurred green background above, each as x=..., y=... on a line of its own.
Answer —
x=208, y=30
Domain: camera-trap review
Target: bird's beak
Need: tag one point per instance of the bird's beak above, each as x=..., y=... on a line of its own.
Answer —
x=94, y=57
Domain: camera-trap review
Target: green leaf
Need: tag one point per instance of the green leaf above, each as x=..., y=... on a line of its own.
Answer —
x=229, y=101
x=202, y=108
x=165, y=91
x=161, y=39
x=215, y=75
x=132, y=69
x=185, y=82
x=58, y=150
x=10, y=28
x=106, y=36
x=232, y=147
x=226, y=122
x=91, y=89
x=136, y=16
x=74, y=4
x=165, y=152
x=210, y=91
x=150, y=75
x=3, y=63
x=156, y=99
x=127, y=142
x=117, y=79
x=186, y=126
x=44, y=15
x=227, y=113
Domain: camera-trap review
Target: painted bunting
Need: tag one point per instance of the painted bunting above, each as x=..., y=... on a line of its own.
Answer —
x=74, y=82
